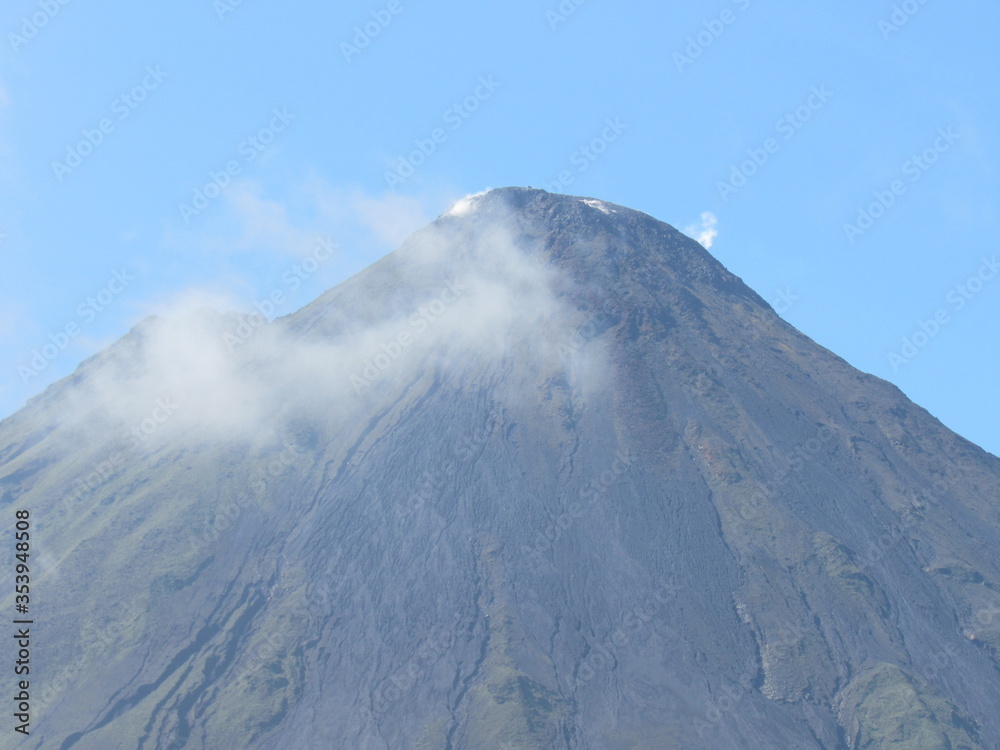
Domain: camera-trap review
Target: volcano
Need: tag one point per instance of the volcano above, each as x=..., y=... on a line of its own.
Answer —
x=547, y=476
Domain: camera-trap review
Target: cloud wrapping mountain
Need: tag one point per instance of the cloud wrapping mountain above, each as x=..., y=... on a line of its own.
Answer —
x=548, y=476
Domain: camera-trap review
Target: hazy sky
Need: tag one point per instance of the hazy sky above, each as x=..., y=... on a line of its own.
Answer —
x=842, y=161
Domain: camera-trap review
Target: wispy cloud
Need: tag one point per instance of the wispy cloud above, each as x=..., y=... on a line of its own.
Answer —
x=391, y=218
x=251, y=220
x=287, y=221
x=705, y=232
x=453, y=300
x=263, y=223
x=464, y=205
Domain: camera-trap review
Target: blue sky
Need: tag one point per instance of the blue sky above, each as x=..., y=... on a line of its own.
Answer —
x=154, y=157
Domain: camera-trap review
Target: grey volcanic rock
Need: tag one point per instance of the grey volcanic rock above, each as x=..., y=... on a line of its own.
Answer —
x=548, y=476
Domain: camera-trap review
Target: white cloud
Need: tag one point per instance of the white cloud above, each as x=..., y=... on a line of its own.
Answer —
x=264, y=223
x=248, y=221
x=273, y=375
x=705, y=232
x=466, y=204
x=289, y=221
x=504, y=306
x=187, y=302
x=601, y=206
x=390, y=218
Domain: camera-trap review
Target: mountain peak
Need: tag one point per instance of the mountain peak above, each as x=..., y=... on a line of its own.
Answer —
x=593, y=240
x=519, y=198
x=548, y=476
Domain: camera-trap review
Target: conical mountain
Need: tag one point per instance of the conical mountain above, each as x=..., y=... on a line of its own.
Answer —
x=547, y=476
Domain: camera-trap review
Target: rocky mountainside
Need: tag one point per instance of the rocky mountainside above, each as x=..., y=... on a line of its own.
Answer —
x=547, y=476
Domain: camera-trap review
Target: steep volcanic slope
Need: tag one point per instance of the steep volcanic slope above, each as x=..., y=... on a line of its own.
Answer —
x=547, y=477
